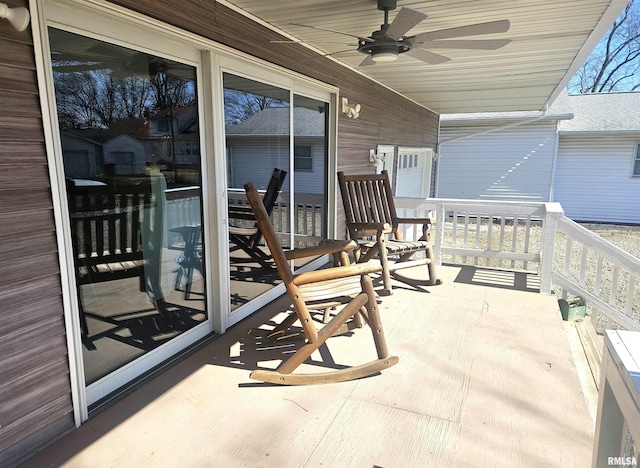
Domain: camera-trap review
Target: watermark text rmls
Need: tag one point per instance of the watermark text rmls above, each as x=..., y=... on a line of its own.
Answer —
x=622, y=461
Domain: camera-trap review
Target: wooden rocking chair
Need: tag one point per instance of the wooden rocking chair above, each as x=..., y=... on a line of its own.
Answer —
x=306, y=290
x=373, y=223
x=248, y=238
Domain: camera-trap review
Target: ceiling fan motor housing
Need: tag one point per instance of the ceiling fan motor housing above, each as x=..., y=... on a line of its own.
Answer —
x=387, y=5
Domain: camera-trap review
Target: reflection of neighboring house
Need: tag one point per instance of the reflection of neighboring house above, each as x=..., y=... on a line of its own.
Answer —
x=174, y=131
x=86, y=157
x=583, y=154
x=82, y=157
x=124, y=155
x=267, y=134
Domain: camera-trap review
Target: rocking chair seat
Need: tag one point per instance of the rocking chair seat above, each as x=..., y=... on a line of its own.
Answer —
x=394, y=247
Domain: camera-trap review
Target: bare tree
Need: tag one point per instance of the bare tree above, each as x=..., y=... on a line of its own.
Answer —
x=615, y=63
x=240, y=105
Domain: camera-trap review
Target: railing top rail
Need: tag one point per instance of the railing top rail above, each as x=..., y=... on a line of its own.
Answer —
x=600, y=245
x=480, y=206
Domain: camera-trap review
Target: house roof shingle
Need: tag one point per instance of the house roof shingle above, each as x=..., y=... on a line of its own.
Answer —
x=603, y=113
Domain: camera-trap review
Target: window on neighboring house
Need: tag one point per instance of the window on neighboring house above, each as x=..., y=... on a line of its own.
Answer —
x=302, y=158
x=191, y=149
x=163, y=126
x=636, y=162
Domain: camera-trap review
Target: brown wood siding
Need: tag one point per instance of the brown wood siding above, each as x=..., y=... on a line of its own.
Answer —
x=386, y=118
x=35, y=392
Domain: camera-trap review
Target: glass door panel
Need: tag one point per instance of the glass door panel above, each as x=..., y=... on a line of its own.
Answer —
x=131, y=151
x=310, y=124
x=258, y=142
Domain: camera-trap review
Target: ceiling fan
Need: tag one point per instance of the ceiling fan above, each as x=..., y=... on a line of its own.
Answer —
x=387, y=43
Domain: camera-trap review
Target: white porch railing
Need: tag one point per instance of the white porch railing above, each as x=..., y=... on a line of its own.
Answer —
x=570, y=260
x=535, y=237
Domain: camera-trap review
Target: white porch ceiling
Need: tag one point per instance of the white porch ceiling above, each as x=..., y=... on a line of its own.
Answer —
x=550, y=39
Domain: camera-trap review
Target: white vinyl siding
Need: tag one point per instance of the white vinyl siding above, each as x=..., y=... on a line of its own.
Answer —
x=594, y=179
x=510, y=164
x=245, y=167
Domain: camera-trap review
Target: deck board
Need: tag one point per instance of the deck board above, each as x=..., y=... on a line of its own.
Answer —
x=485, y=378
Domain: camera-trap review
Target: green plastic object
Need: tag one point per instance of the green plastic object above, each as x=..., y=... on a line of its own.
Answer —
x=573, y=308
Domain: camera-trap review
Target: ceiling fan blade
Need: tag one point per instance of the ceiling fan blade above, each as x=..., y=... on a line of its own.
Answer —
x=368, y=39
x=427, y=57
x=492, y=27
x=406, y=19
x=367, y=61
x=478, y=44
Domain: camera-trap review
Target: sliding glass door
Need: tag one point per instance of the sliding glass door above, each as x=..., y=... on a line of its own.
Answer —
x=277, y=140
x=130, y=137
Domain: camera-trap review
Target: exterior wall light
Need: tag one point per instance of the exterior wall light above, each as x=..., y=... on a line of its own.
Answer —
x=18, y=16
x=352, y=110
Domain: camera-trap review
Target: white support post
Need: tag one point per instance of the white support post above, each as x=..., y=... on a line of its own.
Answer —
x=553, y=213
x=438, y=242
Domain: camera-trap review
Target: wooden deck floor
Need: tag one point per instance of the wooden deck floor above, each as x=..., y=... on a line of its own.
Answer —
x=486, y=378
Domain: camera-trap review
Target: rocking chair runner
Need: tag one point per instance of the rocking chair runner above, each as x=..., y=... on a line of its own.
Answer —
x=370, y=213
x=248, y=238
x=305, y=288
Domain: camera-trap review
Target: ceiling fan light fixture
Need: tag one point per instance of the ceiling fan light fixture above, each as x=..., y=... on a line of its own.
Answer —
x=384, y=56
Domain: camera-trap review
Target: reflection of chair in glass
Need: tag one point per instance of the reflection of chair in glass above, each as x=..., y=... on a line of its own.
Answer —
x=304, y=289
x=106, y=224
x=244, y=232
x=190, y=259
x=371, y=217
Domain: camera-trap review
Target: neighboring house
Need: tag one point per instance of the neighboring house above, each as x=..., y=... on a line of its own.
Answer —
x=597, y=175
x=582, y=153
x=175, y=127
x=82, y=157
x=125, y=155
x=267, y=133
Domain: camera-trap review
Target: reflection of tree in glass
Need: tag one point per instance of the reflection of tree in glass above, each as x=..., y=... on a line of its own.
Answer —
x=240, y=105
x=98, y=98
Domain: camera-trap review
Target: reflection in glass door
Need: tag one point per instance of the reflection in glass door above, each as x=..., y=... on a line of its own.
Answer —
x=282, y=150
x=130, y=142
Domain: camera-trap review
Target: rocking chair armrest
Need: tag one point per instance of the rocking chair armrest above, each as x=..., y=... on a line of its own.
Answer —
x=416, y=221
x=356, y=269
x=326, y=247
x=241, y=212
x=384, y=227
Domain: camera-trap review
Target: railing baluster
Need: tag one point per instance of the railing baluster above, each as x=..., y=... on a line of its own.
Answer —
x=583, y=265
x=567, y=257
x=478, y=230
x=501, y=241
x=614, y=286
x=489, y=236
x=455, y=234
x=514, y=238
x=526, y=238
x=628, y=310
x=598, y=282
x=466, y=234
